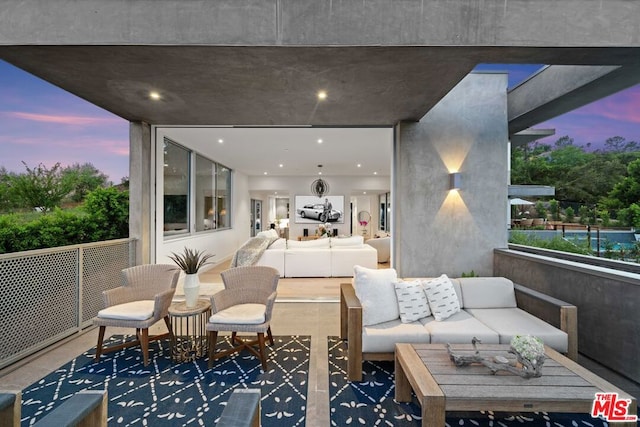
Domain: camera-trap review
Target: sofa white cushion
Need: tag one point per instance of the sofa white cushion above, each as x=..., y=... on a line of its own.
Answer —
x=278, y=244
x=443, y=300
x=273, y=258
x=252, y=314
x=488, y=292
x=509, y=322
x=307, y=244
x=412, y=301
x=314, y=262
x=136, y=310
x=382, y=338
x=374, y=288
x=355, y=241
x=344, y=258
x=459, y=328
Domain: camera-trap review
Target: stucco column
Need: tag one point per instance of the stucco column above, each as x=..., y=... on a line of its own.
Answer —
x=140, y=167
x=436, y=230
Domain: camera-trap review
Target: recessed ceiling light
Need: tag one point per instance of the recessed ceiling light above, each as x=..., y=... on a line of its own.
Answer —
x=275, y=192
x=220, y=141
x=319, y=140
x=364, y=192
x=359, y=165
x=322, y=95
x=281, y=165
x=154, y=95
x=375, y=173
x=266, y=173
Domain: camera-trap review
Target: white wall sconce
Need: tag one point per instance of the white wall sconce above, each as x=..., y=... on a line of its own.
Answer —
x=455, y=181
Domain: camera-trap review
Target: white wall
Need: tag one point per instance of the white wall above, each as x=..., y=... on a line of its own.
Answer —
x=262, y=188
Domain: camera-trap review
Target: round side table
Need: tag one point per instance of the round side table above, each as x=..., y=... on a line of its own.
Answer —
x=189, y=330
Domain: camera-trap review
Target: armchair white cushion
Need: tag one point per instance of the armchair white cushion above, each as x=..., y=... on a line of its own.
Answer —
x=242, y=313
x=136, y=310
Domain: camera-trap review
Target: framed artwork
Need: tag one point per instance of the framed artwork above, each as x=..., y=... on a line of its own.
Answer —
x=317, y=210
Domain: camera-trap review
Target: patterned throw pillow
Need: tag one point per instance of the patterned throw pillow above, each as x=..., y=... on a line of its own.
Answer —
x=443, y=300
x=412, y=301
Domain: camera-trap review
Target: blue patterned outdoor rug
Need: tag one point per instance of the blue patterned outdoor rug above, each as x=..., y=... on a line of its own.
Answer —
x=371, y=403
x=179, y=394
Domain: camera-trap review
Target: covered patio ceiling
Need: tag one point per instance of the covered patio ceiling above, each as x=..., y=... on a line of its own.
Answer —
x=277, y=85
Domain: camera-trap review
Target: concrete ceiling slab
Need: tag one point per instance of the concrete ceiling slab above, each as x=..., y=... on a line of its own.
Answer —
x=277, y=85
x=249, y=85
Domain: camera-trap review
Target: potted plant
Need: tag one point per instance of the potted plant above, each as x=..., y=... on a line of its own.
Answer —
x=190, y=261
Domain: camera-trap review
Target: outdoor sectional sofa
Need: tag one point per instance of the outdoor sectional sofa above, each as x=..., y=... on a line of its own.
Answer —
x=328, y=257
x=493, y=309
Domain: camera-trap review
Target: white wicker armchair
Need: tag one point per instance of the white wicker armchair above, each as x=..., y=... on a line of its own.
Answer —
x=245, y=305
x=142, y=300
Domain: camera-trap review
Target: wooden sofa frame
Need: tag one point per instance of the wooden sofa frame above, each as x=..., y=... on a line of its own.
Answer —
x=558, y=313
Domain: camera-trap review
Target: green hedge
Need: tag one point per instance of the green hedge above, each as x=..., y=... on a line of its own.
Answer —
x=106, y=217
x=556, y=243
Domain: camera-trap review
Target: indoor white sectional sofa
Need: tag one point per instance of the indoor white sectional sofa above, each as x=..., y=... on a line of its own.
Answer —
x=379, y=310
x=328, y=257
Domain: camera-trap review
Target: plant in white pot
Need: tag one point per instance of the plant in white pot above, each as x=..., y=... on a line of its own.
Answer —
x=190, y=262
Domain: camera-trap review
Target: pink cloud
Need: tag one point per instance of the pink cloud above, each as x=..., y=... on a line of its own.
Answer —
x=64, y=119
x=623, y=106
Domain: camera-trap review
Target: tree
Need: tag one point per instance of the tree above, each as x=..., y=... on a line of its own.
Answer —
x=554, y=207
x=84, y=178
x=627, y=191
x=7, y=197
x=618, y=144
x=109, y=206
x=41, y=188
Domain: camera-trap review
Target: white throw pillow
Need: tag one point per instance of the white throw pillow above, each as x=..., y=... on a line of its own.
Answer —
x=412, y=301
x=443, y=300
x=374, y=288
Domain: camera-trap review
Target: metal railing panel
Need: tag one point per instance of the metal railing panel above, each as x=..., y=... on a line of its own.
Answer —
x=101, y=270
x=50, y=294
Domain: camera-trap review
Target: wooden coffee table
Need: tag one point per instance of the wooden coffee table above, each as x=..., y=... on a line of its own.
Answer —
x=441, y=386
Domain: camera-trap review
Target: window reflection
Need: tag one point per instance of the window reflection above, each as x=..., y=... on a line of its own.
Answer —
x=176, y=189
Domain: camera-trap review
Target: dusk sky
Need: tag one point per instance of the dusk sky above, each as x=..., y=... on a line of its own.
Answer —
x=40, y=123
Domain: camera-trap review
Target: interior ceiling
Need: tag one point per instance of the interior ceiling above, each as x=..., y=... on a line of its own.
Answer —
x=277, y=86
x=255, y=151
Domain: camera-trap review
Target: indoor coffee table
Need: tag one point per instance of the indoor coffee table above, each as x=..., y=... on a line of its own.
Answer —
x=441, y=386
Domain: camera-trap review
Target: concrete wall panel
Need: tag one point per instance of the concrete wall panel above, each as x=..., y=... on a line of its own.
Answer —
x=607, y=301
x=437, y=231
x=313, y=22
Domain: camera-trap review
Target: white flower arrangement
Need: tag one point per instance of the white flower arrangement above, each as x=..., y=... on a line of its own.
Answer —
x=528, y=347
x=529, y=352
